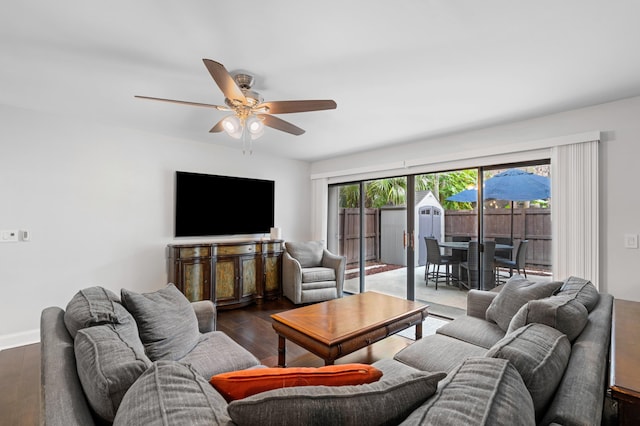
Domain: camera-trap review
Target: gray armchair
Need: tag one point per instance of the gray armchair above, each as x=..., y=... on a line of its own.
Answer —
x=310, y=273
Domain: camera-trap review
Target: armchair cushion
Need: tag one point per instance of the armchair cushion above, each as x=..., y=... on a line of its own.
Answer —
x=308, y=253
x=319, y=273
x=167, y=323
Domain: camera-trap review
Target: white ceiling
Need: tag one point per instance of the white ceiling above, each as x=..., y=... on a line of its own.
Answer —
x=399, y=71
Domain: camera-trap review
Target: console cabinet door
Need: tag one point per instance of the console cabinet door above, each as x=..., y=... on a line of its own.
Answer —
x=249, y=277
x=196, y=274
x=190, y=271
x=272, y=275
x=227, y=277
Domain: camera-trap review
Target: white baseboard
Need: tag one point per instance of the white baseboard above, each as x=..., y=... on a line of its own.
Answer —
x=8, y=341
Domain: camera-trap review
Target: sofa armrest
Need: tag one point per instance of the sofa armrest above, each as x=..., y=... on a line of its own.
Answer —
x=338, y=263
x=206, y=313
x=62, y=400
x=478, y=301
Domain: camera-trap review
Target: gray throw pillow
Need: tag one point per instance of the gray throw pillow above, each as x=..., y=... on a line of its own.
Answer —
x=307, y=253
x=481, y=391
x=516, y=292
x=565, y=314
x=170, y=393
x=385, y=402
x=582, y=290
x=94, y=306
x=166, y=320
x=540, y=354
x=109, y=359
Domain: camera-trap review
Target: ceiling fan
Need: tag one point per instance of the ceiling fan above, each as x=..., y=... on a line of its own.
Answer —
x=250, y=113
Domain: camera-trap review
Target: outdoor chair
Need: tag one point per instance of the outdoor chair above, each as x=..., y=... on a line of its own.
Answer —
x=472, y=266
x=310, y=273
x=436, y=258
x=504, y=253
x=518, y=263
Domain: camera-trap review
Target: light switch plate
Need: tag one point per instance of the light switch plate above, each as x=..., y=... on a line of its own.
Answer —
x=631, y=241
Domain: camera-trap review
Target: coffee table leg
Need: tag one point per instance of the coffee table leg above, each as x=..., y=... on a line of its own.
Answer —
x=282, y=351
x=419, y=331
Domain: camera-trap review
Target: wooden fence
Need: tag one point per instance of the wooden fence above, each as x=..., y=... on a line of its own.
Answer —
x=349, y=234
x=533, y=224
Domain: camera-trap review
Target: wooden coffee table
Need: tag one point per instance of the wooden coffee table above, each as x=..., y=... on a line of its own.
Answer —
x=338, y=327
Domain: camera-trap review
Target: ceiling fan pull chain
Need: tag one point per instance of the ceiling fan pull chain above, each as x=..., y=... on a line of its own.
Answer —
x=246, y=139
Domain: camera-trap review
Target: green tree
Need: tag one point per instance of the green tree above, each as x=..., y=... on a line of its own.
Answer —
x=393, y=191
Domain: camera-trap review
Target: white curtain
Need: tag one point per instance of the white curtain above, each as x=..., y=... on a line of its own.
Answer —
x=319, y=208
x=574, y=213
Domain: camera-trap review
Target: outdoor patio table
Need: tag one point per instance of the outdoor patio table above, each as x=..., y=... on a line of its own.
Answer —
x=464, y=245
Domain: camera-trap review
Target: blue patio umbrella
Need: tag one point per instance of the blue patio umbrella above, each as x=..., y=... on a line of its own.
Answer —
x=466, y=196
x=511, y=185
x=517, y=185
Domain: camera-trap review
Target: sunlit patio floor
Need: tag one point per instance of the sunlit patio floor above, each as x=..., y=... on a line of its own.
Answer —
x=448, y=301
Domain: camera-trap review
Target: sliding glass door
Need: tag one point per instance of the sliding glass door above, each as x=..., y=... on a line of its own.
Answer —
x=368, y=225
x=478, y=220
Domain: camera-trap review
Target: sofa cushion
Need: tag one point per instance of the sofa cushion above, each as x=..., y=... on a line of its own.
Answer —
x=385, y=402
x=318, y=273
x=580, y=289
x=516, y=292
x=481, y=391
x=167, y=322
x=241, y=384
x=308, y=253
x=109, y=359
x=218, y=353
x=170, y=393
x=565, y=314
x=438, y=352
x=94, y=306
x=540, y=354
x=473, y=330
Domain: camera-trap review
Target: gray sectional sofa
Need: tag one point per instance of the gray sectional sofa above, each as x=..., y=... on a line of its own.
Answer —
x=528, y=354
x=556, y=334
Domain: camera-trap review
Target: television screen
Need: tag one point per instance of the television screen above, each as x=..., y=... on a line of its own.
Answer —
x=209, y=205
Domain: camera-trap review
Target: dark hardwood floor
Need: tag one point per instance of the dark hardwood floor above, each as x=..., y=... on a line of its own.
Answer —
x=249, y=326
x=20, y=386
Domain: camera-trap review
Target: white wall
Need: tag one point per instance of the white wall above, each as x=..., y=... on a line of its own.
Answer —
x=98, y=202
x=619, y=170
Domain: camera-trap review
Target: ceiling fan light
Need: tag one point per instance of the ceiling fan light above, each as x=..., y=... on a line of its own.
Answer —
x=255, y=127
x=255, y=124
x=232, y=126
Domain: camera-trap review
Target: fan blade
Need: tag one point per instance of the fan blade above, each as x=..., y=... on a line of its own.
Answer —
x=279, y=124
x=218, y=127
x=224, y=81
x=285, y=107
x=173, y=101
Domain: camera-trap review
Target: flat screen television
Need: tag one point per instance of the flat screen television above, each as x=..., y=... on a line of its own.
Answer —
x=208, y=205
